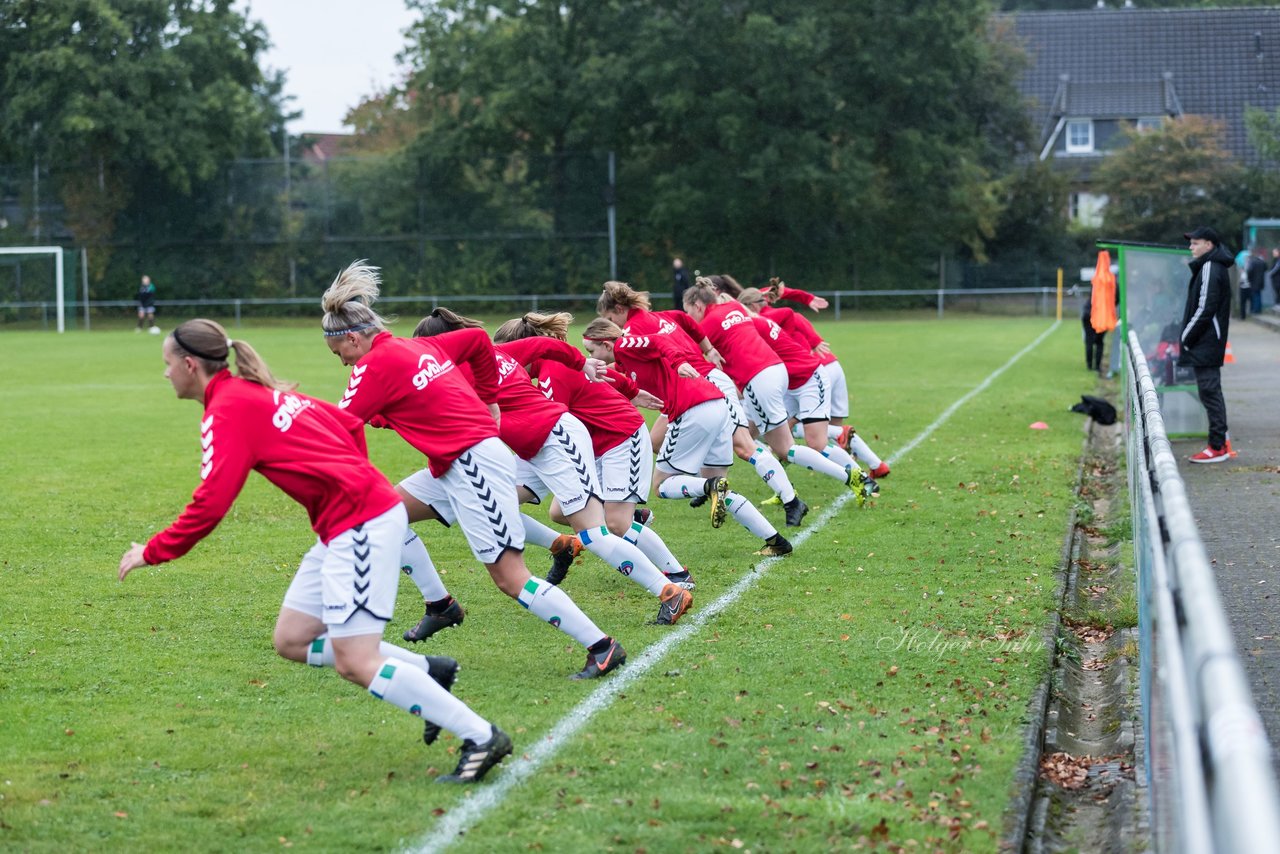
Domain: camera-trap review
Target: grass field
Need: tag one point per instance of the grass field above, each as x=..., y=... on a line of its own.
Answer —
x=869, y=690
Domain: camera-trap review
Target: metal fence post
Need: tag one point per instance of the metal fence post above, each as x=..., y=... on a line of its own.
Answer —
x=837, y=295
x=940, y=297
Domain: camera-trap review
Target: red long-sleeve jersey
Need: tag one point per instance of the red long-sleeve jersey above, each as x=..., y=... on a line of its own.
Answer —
x=799, y=360
x=728, y=327
x=798, y=326
x=796, y=295
x=415, y=385
x=309, y=448
x=603, y=407
x=650, y=361
x=682, y=329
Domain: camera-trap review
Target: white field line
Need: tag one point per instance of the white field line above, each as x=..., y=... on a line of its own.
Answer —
x=455, y=823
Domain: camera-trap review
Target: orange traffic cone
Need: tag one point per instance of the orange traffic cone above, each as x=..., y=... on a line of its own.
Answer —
x=1230, y=359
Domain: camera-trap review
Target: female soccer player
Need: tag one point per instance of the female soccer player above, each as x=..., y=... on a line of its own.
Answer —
x=833, y=372
x=415, y=387
x=629, y=310
x=807, y=399
x=555, y=450
x=696, y=452
x=344, y=592
x=624, y=465
x=759, y=373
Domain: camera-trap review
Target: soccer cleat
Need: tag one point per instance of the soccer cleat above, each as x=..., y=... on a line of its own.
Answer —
x=697, y=501
x=599, y=663
x=672, y=603
x=643, y=516
x=444, y=670
x=681, y=579
x=564, y=551
x=716, y=489
x=795, y=511
x=846, y=432
x=432, y=623
x=1211, y=455
x=476, y=759
x=771, y=501
x=776, y=546
x=880, y=471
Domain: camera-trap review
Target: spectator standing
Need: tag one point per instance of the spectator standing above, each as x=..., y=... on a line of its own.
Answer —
x=1204, y=334
x=146, y=305
x=1255, y=273
x=1274, y=273
x=680, y=284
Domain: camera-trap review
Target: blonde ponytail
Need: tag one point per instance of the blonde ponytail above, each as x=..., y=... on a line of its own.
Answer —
x=207, y=342
x=347, y=302
x=534, y=324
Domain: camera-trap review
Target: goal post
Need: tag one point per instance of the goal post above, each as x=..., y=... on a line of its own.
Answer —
x=56, y=252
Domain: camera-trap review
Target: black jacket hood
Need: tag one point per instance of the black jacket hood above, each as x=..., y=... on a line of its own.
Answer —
x=1218, y=253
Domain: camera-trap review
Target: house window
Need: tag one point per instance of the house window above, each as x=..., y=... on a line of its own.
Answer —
x=1086, y=208
x=1079, y=136
x=1147, y=123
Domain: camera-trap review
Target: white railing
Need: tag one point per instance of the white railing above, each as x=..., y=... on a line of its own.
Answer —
x=1209, y=774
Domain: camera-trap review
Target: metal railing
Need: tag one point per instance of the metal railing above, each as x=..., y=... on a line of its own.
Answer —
x=1209, y=774
x=1040, y=301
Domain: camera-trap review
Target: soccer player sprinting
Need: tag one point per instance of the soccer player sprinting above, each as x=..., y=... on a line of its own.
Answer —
x=415, y=387
x=697, y=449
x=556, y=457
x=833, y=372
x=807, y=399
x=629, y=310
x=344, y=592
x=624, y=462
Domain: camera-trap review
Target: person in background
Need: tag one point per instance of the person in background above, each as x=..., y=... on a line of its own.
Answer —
x=1094, y=341
x=344, y=592
x=1255, y=273
x=1274, y=274
x=680, y=285
x=146, y=305
x=1204, y=334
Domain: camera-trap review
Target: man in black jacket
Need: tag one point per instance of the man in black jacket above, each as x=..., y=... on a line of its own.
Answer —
x=1204, y=334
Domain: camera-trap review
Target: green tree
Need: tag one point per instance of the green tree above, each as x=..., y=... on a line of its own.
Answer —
x=1167, y=180
x=132, y=104
x=1263, y=129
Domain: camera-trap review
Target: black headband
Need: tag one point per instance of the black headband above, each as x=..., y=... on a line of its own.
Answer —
x=193, y=351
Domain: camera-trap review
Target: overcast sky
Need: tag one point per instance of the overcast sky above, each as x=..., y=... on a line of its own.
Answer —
x=333, y=53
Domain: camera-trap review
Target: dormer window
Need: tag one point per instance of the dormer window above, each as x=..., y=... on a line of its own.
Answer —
x=1147, y=123
x=1079, y=136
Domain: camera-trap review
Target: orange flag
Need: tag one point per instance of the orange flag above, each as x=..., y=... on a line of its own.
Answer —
x=1103, y=315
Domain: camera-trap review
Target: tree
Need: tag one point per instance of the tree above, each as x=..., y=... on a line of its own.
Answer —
x=1167, y=180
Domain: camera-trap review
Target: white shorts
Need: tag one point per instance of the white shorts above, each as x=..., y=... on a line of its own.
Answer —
x=481, y=487
x=566, y=465
x=351, y=583
x=837, y=389
x=424, y=486
x=809, y=402
x=737, y=417
x=765, y=397
x=528, y=478
x=626, y=471
x=701, y=436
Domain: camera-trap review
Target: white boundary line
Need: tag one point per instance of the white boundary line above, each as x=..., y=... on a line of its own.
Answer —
x=463, y=817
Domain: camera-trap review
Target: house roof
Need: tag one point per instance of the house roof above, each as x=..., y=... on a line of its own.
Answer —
x=319, y=147
x=1113, y=63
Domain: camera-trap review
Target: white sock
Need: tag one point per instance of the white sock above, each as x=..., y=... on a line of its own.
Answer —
x=420, y=695
x=320, y=654
x=653, y=547
x=682, y=486
x=748, y=516
x=838, y=455
x=863, y=451
x=416, y=563
x=772, y=473
x=550, y=603
x=624, y=556
x=833, y=432
x=537, y=533
x=809, y=458
x=797, y=430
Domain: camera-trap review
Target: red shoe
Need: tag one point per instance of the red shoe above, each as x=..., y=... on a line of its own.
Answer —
x=843, y=439
x=1231, y=452
x=880, y=471
x=1211, y=455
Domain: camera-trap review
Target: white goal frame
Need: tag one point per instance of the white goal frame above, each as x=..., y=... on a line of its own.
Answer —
x=56, y=252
